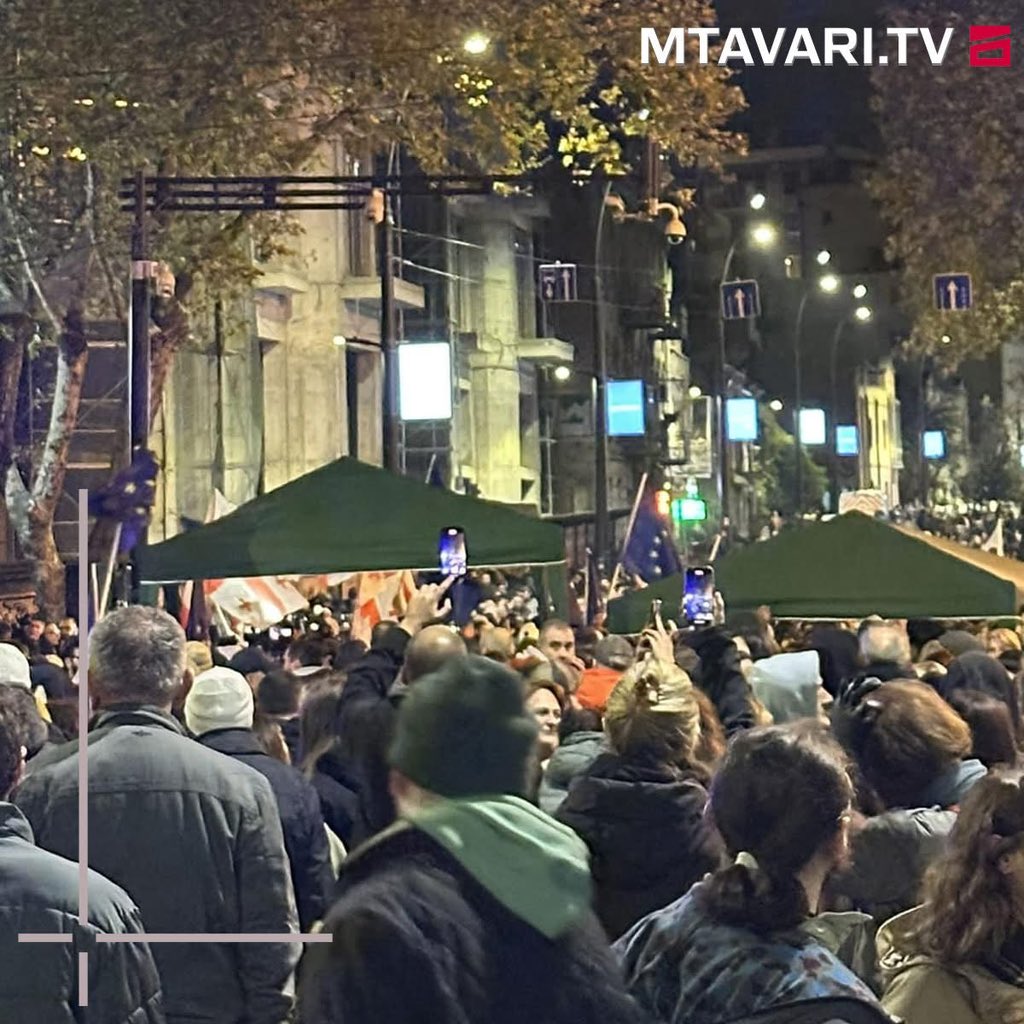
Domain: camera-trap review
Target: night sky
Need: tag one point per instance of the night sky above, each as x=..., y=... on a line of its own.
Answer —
x=804, y=105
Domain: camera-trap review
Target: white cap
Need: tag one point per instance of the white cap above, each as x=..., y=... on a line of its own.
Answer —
x=220, y=698
x=14, y=670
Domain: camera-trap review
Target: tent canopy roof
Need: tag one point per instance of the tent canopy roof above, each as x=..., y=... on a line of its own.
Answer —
x=350, y=516
x=849, y=567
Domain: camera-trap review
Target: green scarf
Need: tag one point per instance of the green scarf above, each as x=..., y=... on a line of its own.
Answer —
x=534, y=866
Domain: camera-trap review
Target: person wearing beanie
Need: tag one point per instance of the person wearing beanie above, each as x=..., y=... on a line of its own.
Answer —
x=219, y=712
x=474, y=905
x=14, y=667
x=790, y=687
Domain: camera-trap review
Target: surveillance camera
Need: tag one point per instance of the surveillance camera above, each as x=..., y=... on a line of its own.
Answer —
x=675, y=232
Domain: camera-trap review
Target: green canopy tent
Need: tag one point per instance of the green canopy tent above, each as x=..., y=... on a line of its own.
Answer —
x=849, y=567
x=348, y=517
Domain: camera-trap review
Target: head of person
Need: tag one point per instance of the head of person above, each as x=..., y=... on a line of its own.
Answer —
x=547, y=702
x=653, y=716
x=557, y=640
x=220, y=698
x=781, y=801
x=496, y=643
x=974, y=893
x=136, y=656
x=1001, y=641
x=14, y=667
x=977, y=671
x=347, y=654
x=18, y=708
x=903, y=736
x=279, y=695
x=305, y=653
x=790, y=687
x=51, y=633
x=252, y=663
x=429, y=650
x=463, y=731
x=68, y=627
x=12, y=757
x=198, y=657
x=34, y=628
x=992, y=735
x=317, y=727
x=614, y=652
x=884, y=642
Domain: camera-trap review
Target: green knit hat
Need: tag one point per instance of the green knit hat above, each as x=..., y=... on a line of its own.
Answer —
x=465, y=731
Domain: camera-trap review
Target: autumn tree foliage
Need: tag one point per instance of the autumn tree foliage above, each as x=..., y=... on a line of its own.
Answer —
x=949, y=184
x=92, y=89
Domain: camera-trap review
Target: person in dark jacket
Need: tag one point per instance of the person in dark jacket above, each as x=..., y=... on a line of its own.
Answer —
x=219, y=712
x=279, y=697
x=981, y=673
x=640, y=807
x=884, y=651
x=375, y=687
x=39, y=982
x=325, y=766
x=192, y=836
x=475, y=905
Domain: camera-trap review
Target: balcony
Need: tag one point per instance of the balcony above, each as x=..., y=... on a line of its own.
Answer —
x=545, y=351
x=367, y=290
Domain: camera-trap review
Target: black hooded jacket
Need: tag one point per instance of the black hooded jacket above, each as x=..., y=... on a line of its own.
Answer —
x=648, y=841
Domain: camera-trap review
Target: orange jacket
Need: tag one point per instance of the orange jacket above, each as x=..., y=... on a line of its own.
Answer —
x=595, y=686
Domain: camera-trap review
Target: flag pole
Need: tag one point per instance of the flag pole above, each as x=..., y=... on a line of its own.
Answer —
x=629, y=532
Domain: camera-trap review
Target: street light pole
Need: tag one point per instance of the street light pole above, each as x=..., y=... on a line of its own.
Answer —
x=602, y=539
x=388, y=336
x=722, y=476
x=834, y=373
x=798, y=400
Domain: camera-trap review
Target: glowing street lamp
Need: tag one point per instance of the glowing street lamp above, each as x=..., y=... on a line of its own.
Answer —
x=859, y=291
x=476, y=44
x=775, y=405
x=757, y=201
x=561, y=373
x=829, y=284
x=862, y=313
x=764, y=235
x=824, y=258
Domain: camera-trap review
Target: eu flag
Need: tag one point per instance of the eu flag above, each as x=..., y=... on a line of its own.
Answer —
x=650, y=551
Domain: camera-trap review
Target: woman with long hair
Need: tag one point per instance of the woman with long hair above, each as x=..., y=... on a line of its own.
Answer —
x=736, y=944
x=959, y=958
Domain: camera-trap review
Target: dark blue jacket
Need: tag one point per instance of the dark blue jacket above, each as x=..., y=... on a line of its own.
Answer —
x=39, y=982
x=417, y=939
x=301, y=820
x=365, y=724
x=339, y=798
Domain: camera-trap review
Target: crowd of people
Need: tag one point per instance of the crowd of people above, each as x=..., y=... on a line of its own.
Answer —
x=752, y=821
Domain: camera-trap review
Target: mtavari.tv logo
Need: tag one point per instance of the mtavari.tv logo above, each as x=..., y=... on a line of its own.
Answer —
x=989, y=46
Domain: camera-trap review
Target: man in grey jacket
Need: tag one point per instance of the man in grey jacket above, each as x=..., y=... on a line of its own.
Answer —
x=194, y=837
x=39, y=981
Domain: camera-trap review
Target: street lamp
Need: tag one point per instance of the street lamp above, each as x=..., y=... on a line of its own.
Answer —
x=829, y=285
x=762, y=236
x=859, y=291
x=861, y=315
x=561, y=373
x=824, y=257
x=775, y=405
x=476, y=44
x=757, y=201
x=946, y=339
x=695, y=392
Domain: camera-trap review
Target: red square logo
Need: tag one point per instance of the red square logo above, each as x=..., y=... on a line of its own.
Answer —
x=990, y=46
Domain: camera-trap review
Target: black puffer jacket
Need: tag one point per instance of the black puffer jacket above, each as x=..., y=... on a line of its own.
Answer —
x=339, y=798
x=195, y=840
x=39, y=981
x=301, y=820
x=418, y=940
x=646, y=833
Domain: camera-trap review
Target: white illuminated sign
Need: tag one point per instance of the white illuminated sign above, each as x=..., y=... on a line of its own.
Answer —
x=425, y=381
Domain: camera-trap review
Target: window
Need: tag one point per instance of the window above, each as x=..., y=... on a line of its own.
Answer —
x=526, y=296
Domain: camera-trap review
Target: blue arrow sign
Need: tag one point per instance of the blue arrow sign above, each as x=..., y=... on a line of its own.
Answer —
x=741, y=300
x=953, y=291
x=557, y=282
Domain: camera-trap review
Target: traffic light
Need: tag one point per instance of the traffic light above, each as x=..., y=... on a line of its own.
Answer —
x=375, y=206
x=663, y=503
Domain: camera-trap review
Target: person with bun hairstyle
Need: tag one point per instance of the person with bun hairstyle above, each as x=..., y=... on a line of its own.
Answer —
x=737, y=944
x=640, y=806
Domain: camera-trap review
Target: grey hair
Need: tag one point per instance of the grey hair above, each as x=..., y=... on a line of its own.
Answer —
x=137, y=655
x=882, y=641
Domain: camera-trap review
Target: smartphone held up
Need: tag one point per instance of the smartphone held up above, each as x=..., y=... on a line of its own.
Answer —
x=699, y=596
x=451, y=551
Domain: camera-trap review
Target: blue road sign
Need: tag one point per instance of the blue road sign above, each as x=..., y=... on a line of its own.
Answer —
x=953, y=291
x=740, y=300
x=557, y=282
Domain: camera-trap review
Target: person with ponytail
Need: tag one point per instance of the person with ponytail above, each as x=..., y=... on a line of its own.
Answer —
x=737, y=944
